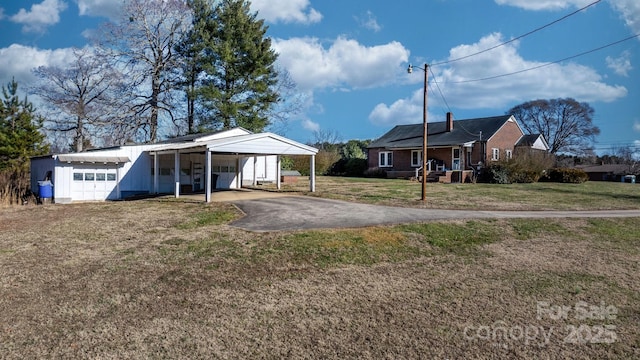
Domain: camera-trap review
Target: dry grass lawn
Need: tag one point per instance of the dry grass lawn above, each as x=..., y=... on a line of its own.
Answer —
x=592, y=195
x=169, y=279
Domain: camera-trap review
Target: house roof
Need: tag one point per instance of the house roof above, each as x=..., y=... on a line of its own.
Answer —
x=535, y=141
x=241, y=143
x=463, y=132
x=606, y=168
x=205, y=136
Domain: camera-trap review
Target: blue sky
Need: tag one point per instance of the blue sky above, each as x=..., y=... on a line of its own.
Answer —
x=349, y=58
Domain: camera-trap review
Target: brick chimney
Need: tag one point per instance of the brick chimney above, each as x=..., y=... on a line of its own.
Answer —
x=449, y=122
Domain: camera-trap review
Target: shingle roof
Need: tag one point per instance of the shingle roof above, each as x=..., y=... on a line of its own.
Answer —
x=190, y=137
x=606, y=168
x=464, y=131
x=528, y=140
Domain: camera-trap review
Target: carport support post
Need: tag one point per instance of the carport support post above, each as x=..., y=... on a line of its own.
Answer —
x=118, y=193
x=278, y=165
x=176, y=175
x=156, y=171
x=207, y=176
x=312, y=174
x=255, y=171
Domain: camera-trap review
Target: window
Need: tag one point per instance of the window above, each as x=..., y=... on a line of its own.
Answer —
x=89, y=176
x=416, y=158
x=111, y=177
x=508, y=154
x=385, y=159
x=495, y=154
x=101, y=177
x=78, y=176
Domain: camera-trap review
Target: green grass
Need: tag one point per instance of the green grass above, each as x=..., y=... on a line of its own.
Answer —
x=346, y=247
x=592, y=195
x=525, y=229
x=622, y=233
x=458, y=238
x=567, y=283
x=208, y=218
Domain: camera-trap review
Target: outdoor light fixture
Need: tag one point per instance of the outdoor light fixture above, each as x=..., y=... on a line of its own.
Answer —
x=424, y=129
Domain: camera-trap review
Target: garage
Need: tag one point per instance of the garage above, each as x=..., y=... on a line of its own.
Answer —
x=226, y=159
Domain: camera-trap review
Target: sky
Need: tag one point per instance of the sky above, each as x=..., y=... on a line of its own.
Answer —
x=349, y=59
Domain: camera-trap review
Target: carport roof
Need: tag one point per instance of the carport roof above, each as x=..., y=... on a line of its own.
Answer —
x=258, y=144
x=92, y=159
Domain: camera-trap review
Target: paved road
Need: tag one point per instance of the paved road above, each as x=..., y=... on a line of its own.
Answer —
x=303, y=212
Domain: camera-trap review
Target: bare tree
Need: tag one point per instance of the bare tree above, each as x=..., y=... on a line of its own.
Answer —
x=326, y=139
x=291, y=102
x=81, y=98
x=565, y=123
x=142, y=44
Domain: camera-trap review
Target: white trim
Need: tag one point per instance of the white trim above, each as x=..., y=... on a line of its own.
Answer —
x=495, y=154
x=419, y=158
x=388, y=155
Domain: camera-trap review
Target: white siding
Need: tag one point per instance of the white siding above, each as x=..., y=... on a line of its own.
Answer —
x=265, y=168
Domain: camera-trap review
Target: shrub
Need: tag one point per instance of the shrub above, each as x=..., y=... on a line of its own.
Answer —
x=356, y=167
x=324, y=160
x=15, y=187
x=525, y=167
x=566, y=175
x=375, y=173
x=496, y=173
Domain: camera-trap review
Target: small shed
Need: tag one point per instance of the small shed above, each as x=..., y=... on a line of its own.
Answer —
x=289, y=176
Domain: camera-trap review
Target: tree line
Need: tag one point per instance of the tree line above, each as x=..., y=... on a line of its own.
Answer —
x=167, y=68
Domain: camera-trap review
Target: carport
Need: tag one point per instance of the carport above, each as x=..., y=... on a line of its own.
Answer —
x=238, y=148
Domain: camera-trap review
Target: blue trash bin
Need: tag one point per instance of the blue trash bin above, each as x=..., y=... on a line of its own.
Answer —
x=45, y=189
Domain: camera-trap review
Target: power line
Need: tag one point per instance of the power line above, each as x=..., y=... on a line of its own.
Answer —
x=439, y=90
x=516, y=38
x=546, y=64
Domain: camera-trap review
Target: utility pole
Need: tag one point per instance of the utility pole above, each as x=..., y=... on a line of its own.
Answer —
x=424, y=129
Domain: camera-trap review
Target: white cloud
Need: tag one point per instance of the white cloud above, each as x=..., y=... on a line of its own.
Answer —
x=630, y=12
x=1, y=13
x=628, y=9
x=636, y=126
x=545, y=4
x=106, y=8
x=403, y=111
x=620, y=65
x=310, y=125
x=369, y=21
x=286, y=11
x=554, y=81
x=40, y=16
x=557, y=80
x=345, y=63
x=18, y=61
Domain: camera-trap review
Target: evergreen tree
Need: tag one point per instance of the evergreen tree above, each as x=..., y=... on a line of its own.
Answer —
x=20, y=136
x=191, y=50
x=240, y=77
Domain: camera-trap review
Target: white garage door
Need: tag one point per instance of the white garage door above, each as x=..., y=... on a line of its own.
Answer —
x=94, y=183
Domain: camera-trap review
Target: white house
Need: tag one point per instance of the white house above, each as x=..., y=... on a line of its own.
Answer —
x=222, y=160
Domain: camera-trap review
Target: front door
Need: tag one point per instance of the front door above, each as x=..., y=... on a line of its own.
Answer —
x=455, y=159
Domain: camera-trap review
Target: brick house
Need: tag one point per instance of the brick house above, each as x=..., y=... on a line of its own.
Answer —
x=455, y=150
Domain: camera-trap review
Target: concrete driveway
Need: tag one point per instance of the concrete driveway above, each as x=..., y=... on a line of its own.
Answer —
x=304, y=212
